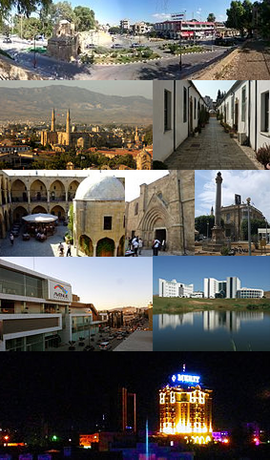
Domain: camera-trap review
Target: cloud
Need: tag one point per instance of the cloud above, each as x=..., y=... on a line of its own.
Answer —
x=253, y=184
x=161, y=16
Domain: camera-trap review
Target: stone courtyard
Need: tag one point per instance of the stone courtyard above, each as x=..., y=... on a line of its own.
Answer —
x=48, y=248
x=212, y=149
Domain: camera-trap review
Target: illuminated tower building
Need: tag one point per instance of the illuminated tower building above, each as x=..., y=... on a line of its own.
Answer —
x=53, y=121
x=68, y=128
x=186, y=409
x=128, y=411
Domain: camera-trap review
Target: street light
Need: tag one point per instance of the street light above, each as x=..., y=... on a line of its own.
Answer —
x=207, y=230
x=180, y=62
x=249, y=227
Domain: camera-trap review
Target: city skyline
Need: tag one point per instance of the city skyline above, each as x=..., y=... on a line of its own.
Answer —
x=98, y=383
x=252, y=271
x=154, y=10
x=105, y=282
x=245, y=183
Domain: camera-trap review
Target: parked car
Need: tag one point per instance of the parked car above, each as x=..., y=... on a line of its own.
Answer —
x=104, y=346
x=90, y=46
x=117, y=46
x=7, y=40
x=135, y=45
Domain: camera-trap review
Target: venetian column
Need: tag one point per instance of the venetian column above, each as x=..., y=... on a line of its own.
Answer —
x=217, y=232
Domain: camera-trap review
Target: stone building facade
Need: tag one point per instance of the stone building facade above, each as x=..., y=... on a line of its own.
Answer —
x=23, y=195
x=65, y=43
x=164, y=210
x=99, y=217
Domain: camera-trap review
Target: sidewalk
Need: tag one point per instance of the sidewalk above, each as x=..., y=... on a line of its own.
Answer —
x=250, y=62
x=212, y=149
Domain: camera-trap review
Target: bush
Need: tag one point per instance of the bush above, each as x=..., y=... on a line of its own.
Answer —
x=224, y=251
x=263, y=155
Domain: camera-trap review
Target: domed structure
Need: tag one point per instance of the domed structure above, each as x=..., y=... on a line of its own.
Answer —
x=99, y=216
x=98, y=188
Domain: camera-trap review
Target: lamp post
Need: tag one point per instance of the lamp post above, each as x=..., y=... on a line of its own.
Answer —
x=180, y=62
x=249, y=227
x=207, y=230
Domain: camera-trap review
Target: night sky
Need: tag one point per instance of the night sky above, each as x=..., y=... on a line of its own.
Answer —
x=74, y=390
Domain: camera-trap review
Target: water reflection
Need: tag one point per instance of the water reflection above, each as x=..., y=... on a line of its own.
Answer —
x=212, y=330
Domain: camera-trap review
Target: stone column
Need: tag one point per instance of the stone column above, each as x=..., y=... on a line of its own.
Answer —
x=218, y=200
x=218, y=237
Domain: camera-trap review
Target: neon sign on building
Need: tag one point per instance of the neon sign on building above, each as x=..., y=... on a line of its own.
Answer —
x=184, y=378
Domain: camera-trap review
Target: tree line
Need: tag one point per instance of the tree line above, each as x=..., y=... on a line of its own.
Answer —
x=47, y=16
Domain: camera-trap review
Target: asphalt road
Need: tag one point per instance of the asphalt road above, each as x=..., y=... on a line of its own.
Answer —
x=165, y=68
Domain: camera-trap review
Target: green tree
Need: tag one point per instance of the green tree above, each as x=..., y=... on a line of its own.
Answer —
x=25, y=7
x=263, y=21
x=211, y=17
x=114, y=30
x=240, y=16
x=201, y=225
x=85, y=18
x=254, y=225
x=30, y=27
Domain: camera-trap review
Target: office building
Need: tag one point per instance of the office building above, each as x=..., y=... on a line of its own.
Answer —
x=174, y=289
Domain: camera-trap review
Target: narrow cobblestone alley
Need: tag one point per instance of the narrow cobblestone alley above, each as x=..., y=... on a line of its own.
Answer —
x=212, y=149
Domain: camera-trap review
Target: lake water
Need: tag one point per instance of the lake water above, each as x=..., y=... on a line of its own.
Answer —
x=212, y=331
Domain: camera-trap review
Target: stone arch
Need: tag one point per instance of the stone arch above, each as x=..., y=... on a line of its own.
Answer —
x=86, y=245
x=18, y=213
x=18, y=191
x=2, y=229
x=57, y=191
x=156, y=218
x=38, y=191
x=121, y=247
x=72, y=189
x=6, y=221
x=58, y=211
x=105, y=248
x=39, y=209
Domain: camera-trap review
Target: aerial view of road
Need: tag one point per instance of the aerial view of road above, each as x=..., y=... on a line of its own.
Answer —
x=167, y=67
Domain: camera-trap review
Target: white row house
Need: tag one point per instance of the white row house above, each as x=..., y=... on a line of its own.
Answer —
x=176, y=108
x=246, y=108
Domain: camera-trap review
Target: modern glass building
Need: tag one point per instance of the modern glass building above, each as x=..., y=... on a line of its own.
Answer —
x=37, y=313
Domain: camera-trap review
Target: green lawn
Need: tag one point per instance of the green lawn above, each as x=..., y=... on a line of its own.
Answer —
x=178, y=305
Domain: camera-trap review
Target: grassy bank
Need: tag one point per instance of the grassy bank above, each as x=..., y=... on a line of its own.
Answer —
x=177, y=305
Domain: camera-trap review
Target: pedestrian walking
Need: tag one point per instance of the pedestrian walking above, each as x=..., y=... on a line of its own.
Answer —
x=135, y=244
x=163, y=245
x=11, y=239
x=156, y=246
x=140, y=241
x=69, y=250
x=61, y=249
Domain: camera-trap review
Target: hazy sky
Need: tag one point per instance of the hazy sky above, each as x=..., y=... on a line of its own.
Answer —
x=210, y=88
x=252, y=271
x=248, y=184
x=115, y=88
x=106, y=282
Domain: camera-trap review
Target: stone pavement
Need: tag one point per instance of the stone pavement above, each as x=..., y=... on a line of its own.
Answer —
x=138, y=341
x=212, y=149
x=48, y=248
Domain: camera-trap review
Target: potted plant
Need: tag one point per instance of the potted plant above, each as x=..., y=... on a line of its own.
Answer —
x=263, y=155
x=72, y=345
x=197, y=131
